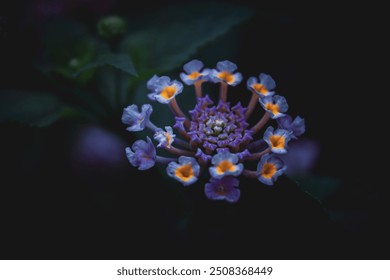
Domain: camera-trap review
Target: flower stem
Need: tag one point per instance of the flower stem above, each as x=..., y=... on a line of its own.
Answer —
x=255, y=144
x=175, y=108
x=261, y=123
x=151, y=126
x=182, y=143
x=164, y=160
x=256, y=156
x=249, y=173
x=198, y=88
x=178, y=112
x=223, y=91
x=202, y=162
x=179, y=152
x=252, y=105
x=184, y=135
x=202, y=167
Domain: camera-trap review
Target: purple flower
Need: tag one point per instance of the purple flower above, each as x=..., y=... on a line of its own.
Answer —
x=225, y=163
x=244, y=154
x=164, y=90
x=297, y=126
x=223, y=189
x=275, y=105
x=179, y=124
x=193, y=72
x=215, y=137
x=270, y=167
x=218, y=127
x=225, y=73
x=142, y=154
x=151, y=84
x=165, y=138
x=185, y=171
x=263, y=87
x=135, y=119
x=202, y=156
x=278, y=140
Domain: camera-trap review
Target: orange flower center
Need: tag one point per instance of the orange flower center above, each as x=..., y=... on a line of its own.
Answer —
x=260, y=88
x=277, y=141
x=274, y=108
x=226, y=76
x=268, y=170
x=184, y=172
x=168, y=137
x=224, y=166
x=194, y=75
x=168, y=92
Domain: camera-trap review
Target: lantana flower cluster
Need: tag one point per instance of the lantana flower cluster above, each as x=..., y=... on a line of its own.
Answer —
x=214, y=138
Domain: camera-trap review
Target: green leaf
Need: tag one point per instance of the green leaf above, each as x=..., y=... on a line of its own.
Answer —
x=68, y=47
x=320, y=187
x=169, y=38
x=106, y=84
x=123, y=89
x=119, y=61
x=36, y=109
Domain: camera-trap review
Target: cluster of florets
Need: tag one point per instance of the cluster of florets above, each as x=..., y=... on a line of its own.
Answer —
x=214, y=138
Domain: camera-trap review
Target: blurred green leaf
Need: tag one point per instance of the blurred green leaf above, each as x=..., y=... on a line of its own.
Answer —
x=113, y=85
x=106, y=84
x=320, y=187
x=68, y=47
x=165, y=40
x=120, y=61
x=123, y=86
x=37, y=109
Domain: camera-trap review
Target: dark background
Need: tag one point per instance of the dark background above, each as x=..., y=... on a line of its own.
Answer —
x=54, y=206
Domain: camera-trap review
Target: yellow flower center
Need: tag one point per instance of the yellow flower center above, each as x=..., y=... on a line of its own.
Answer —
x=168, y=92
x=268, y=170
x=168, y=137
x=274, y=108
x=260, y=88
x=194, y=75
x=277, y=141
x=184, y=172
x=224, y=166
x=226, y=76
